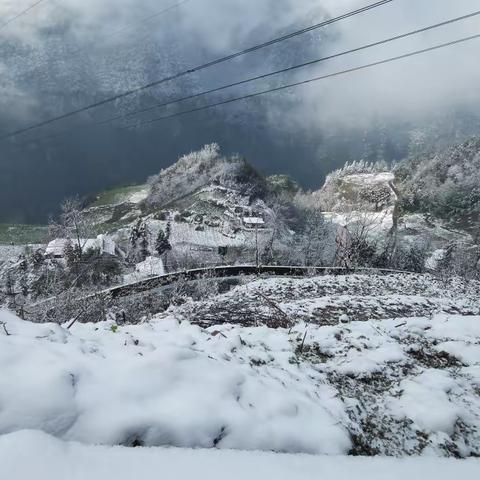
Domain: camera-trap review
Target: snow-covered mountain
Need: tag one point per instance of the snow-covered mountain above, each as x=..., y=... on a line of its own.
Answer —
x=210, y=209
x=209, y=203
x=445, y=184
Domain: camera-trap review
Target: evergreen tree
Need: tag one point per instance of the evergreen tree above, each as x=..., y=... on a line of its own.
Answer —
x=10, y=291
x=135, y=233
x=69, y=253
x=23, y=283
x=134, y=255
x=143, y=241
x=162, y=244
x=38, y=259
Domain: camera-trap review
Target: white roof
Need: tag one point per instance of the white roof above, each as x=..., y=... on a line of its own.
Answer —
x=57, y=247
x=253, y=220
x=151, y=266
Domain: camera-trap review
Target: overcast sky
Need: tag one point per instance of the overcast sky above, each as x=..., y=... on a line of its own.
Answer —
x=55, y=43
x=68, y=53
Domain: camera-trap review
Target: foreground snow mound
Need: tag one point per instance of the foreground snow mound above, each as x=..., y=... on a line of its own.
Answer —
x=392, y=387
x=30, y=455
x=164, y=383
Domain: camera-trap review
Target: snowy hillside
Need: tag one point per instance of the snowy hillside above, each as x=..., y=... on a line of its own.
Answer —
x=391, y=384
x=323, y=300
x=362, y=216
x=358, y=186
x=206, y=202
x=446, y=183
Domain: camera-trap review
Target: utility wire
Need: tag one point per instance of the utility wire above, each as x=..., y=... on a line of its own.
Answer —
x=197, y=68
x=311, y=80
x=21, y=14
x=283, y=87
x=288, y=69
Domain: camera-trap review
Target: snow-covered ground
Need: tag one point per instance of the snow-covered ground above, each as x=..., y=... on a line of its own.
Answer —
x=403, y=386
x=323, y=300
x=363, y=179
x=7, y=252
x=412, y=227
x=138, y=195
x=31, y=455
x=374, y=223
x=213, y=237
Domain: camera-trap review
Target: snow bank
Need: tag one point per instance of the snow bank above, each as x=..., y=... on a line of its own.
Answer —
x=162, y=384
x=370, y=387
x=425, y=400
x=30, y=455
x=374, y=222
x=137, y=196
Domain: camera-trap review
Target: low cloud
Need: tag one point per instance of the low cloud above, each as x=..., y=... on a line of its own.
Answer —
x=79, y=50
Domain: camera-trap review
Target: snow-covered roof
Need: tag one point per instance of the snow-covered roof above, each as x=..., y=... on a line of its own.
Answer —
x=56, y=247
x=151, y=266
x=185, y=234
x=253, y=220
x=105, y=244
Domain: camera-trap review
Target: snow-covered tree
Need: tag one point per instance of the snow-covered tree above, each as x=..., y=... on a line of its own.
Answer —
x=139, y=241
x=162, y=243
x=73, y=223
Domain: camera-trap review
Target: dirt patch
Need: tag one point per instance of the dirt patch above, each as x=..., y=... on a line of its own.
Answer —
x=430, y=358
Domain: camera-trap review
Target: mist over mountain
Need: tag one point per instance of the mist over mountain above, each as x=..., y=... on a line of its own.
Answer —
x=65, y=55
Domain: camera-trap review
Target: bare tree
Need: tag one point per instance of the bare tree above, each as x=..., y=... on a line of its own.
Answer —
x=314, y=243
x=73, y=224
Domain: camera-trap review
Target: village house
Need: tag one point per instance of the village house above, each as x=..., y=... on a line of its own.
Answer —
x=253, y=222
x=103, y=243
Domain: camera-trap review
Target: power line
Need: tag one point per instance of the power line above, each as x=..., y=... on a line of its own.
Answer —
x=288, y=69
x=21, y=14
x=311, y=80
x=197, y=68
x=263, y=76
x=283, y=87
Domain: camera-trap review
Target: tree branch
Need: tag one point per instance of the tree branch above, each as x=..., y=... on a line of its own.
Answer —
x=5, y=329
